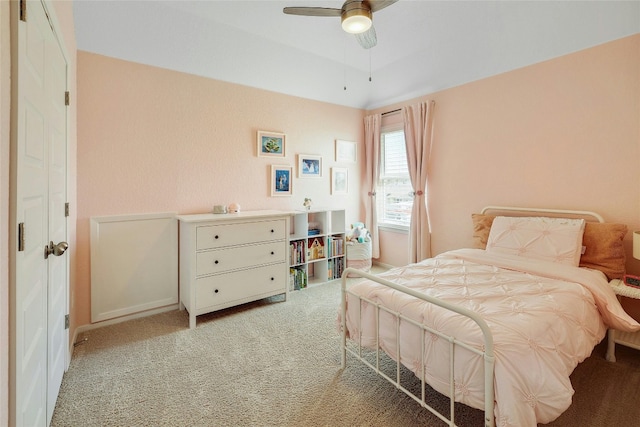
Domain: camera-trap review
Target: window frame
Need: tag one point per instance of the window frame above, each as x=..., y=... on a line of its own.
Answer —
x=386, y=225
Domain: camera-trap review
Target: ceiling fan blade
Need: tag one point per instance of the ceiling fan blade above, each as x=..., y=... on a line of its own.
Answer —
x=312, y=11
x=367, y=39
x=377, y=5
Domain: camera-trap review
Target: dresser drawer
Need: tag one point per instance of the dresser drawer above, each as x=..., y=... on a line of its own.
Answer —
x=223, y=289
x=221, y=260
x=217, y=236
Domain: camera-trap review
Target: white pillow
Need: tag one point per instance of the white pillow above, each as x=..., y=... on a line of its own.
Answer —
x=548, y=239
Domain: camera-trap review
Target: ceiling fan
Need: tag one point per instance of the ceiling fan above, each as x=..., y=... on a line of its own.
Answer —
x=356, y=17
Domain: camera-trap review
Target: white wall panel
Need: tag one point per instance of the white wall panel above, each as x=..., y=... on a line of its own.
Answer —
x=134, y=264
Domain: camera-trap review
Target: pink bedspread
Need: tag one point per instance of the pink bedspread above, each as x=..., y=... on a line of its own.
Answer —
x=545, y=319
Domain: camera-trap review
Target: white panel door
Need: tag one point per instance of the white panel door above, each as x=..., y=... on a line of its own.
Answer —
x=57, y=333
x=32, y=211
x=38, y=356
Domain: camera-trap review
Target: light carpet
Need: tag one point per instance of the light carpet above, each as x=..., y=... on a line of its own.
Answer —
x=276, y=363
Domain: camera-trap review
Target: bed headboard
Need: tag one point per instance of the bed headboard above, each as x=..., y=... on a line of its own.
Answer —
x=555, y=213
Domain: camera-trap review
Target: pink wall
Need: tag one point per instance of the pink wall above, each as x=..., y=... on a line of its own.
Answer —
x=153, y=140
x=562, y=134
x=394, y=247
x=565, y=133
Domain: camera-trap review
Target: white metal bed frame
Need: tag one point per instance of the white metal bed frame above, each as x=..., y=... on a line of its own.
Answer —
x=489, y=359
x=487, y=354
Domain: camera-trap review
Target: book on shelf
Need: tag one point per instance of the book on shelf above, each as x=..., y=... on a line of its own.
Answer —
x=314, y=228
x=335, y=268
x=296, y=252
x=334, y=246
x=297, y=279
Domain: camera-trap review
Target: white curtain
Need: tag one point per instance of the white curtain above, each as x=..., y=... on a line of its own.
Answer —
x=418, y=129
x=372, y=165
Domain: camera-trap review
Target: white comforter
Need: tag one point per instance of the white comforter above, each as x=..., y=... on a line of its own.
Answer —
x=545, y=319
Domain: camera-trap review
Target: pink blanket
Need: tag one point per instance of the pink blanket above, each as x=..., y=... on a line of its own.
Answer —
x=545, y=319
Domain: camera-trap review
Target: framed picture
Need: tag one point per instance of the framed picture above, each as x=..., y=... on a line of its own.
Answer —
x=281, y=180
x=271, y=144
x=309, y=166
x=339, y=180
x=346, y=151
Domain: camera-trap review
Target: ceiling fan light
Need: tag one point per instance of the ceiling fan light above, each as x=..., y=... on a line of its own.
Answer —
x=356, y=21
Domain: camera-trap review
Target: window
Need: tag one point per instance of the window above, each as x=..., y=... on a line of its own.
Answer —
x=394, y=193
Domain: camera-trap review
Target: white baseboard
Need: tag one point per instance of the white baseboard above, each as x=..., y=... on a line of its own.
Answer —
x=84, y=328
x=381, y=264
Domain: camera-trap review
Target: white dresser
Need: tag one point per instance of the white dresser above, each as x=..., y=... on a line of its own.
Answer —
x=231, y=259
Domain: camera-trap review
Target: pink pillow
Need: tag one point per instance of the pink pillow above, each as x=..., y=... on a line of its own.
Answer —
x=548, y=239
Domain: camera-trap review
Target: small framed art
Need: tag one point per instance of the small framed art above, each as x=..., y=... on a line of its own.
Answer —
x=346, y=151
x=271, y=144
x=281, y=182
x=339, y=181
x=309, y=166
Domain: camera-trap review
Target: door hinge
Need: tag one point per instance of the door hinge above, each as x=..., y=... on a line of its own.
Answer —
x=23, y=10
x=66, y=209
x=21, y=237
x=66, y=321
x=66, y=98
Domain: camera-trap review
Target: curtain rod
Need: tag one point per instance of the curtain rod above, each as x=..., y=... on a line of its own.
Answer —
x=391, y=112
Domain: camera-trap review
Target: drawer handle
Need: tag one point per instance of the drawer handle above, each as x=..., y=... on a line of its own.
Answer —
x=216, y=236
x=272, y=279
x=272, y=252
x=215, y=262
x=272, y=230
x=215, y=291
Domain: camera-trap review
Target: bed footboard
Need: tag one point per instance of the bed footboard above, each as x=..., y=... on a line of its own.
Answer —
x=487, y=354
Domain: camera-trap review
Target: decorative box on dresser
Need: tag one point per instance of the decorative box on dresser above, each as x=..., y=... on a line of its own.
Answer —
x=231, y=259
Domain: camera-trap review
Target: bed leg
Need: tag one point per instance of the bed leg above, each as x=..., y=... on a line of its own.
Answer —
x=611, y=345
x=343, y=320
x=489, y=392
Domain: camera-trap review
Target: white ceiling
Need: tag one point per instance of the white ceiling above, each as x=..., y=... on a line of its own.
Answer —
x=423, y=46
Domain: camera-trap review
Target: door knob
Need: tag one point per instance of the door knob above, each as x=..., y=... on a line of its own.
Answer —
x=56, y=250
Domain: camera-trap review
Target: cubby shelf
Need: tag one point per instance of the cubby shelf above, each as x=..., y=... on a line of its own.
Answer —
x=316, y=247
